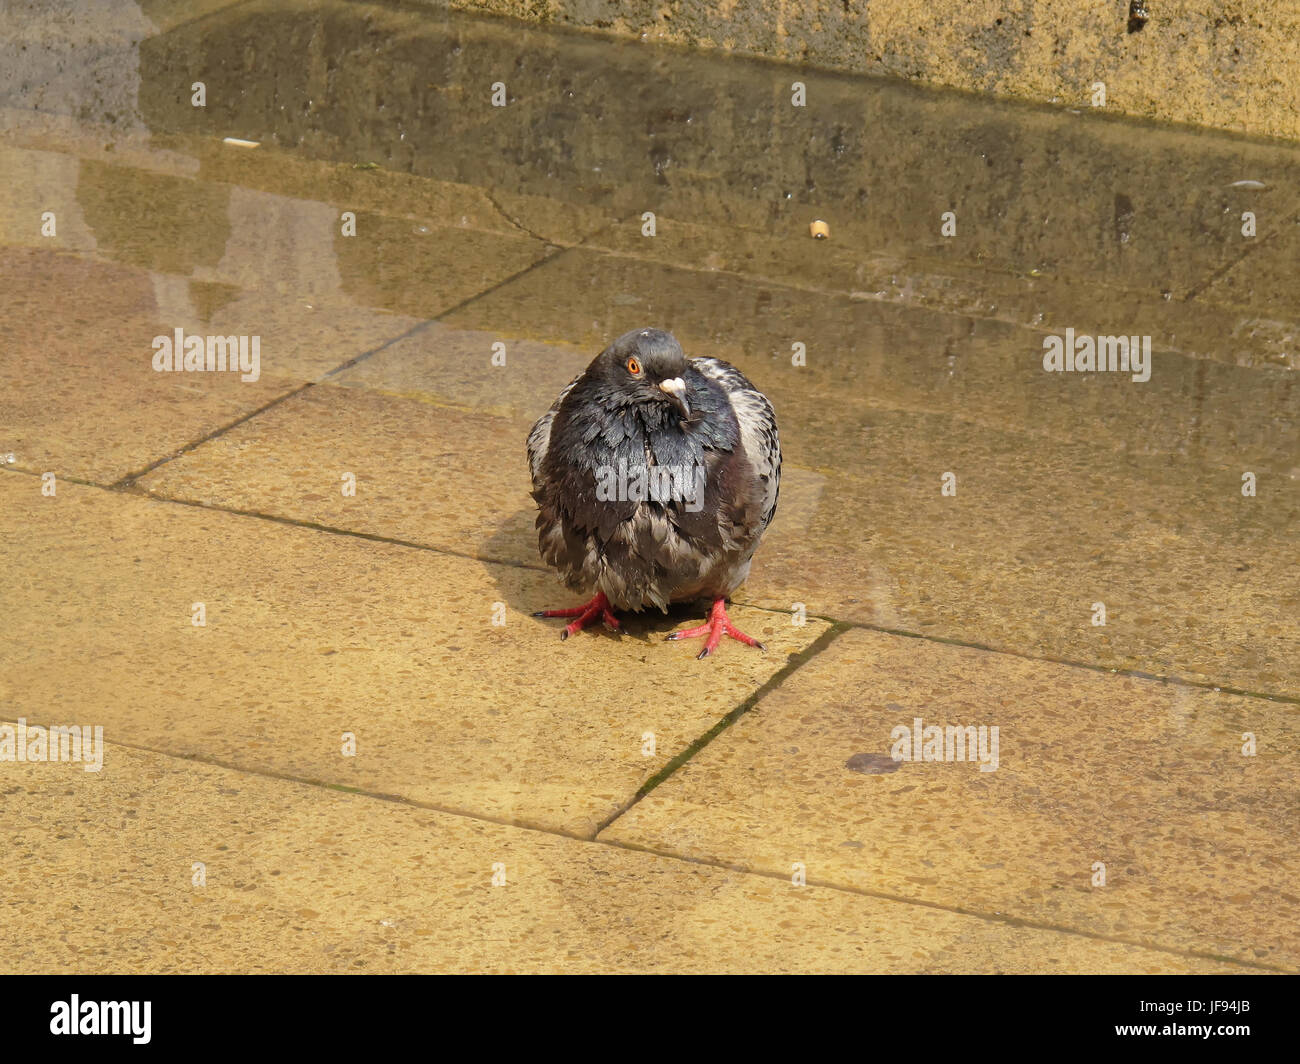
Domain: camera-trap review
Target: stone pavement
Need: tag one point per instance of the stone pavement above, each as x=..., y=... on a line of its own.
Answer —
x=371, y=757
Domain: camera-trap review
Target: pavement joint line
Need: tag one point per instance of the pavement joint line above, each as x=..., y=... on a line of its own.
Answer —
x=105, y=255
x=206, y=16
x=758, y=281
x=139, y=492
x=546, y=241
x=347, y=364
x=991, y=917
x=792, y=665
x=127, y=485
x=1251, y=247
x=1137, y=674
x=313, y=526
x=630, y=847
x=866, y=402
x=554, y=252
x=129, y=479
x=587, y=243
x=343, y=788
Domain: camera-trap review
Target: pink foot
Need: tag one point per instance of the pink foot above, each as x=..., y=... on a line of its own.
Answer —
x=586, y=613
x=718, y=625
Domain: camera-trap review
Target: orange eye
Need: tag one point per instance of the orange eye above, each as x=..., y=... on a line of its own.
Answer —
x=634, y=367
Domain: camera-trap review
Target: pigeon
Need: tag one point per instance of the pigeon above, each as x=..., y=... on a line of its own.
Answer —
x=655, y=476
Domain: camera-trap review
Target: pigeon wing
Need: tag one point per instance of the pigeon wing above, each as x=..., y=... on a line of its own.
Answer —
x=757, y=422
x=539, y=439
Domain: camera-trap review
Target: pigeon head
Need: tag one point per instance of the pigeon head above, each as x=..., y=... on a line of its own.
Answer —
x=646, y=366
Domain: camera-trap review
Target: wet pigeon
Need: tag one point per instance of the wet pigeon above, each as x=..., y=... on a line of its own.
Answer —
x=655, y=476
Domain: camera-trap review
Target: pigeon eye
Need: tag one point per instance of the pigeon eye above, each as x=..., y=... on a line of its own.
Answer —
x=634, y=367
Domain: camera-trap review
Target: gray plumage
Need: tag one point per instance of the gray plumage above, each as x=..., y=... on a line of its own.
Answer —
x=661, y=540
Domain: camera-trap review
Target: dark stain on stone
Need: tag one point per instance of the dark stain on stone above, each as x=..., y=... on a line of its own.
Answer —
x=1124, y=215
x=872, y=764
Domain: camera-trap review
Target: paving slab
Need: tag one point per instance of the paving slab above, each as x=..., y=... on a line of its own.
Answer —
x=474, y=370
x=158, y=865
x=393, y=193
x=282, y=237
x=294, y=244
x=1147, y=779
x=311, y=636
x=900, y=356
x=426, y=472
x=1200, y=313
x=1194, y=577
x=434, y=436
x=398, y=617
x=78, y=392
x=50, y=151
x=1070, y=489
x=1083, y=209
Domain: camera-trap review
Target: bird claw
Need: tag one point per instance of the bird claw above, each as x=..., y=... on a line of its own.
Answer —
x=584, y=614
x=718, y=625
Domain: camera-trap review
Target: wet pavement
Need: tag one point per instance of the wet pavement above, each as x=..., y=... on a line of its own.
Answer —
x=954, y=519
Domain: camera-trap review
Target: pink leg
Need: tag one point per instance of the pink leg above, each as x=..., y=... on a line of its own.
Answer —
x=585, y=614
x=718, y=625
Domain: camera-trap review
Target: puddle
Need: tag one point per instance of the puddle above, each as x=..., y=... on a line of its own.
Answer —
x=350, y=158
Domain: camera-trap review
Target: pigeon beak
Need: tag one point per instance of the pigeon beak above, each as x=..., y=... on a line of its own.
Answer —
x=675, y=389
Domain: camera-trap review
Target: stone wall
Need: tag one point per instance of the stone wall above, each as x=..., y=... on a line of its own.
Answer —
x=1230, y=65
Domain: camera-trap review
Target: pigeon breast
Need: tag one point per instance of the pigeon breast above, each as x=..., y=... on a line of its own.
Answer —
x=645, y=505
